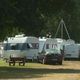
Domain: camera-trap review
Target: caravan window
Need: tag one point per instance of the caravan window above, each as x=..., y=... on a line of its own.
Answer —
x=6, y=46
x=29, y=45
x=20, y=46
x=26, y=46
x=47, y=46
x=35, y=45
x=13, y=47
x=10, y=46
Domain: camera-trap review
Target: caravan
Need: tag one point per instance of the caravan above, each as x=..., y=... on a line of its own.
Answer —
x=71, y=51
x=20, y=46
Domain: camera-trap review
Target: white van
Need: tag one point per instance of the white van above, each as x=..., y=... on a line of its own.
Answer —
x=20, y=46
x=49, y=51
x=45, y=44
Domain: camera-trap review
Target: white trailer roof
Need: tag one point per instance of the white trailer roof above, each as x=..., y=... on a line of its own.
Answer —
x=59, y=40
x=70, y=41
x=22, y=40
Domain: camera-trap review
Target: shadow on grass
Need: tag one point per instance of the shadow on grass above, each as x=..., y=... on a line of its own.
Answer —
x=12, y=72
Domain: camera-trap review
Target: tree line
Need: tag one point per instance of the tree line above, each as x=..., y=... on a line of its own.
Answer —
x=39, y=17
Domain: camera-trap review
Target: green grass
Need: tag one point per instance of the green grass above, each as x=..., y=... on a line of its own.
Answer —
x=31, y=70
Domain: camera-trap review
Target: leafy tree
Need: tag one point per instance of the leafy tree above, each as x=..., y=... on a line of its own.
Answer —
x=38, y=17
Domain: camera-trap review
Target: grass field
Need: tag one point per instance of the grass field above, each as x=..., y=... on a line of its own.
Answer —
x=70, y=70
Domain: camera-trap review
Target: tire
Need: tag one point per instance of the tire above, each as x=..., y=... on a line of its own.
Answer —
x=60, y=63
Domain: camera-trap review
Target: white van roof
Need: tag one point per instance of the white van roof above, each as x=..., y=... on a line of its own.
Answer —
x=47, y=40
x=59, y=40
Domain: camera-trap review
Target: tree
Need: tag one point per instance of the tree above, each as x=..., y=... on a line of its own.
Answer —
x=38, y=17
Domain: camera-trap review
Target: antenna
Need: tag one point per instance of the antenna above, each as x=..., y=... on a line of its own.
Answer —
x=62, y=26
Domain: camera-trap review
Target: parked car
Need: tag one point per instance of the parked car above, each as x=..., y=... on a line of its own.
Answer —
x=51, y=57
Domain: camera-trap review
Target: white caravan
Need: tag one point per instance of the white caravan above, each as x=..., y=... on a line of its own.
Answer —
x=71, y=51
x=20, y=46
